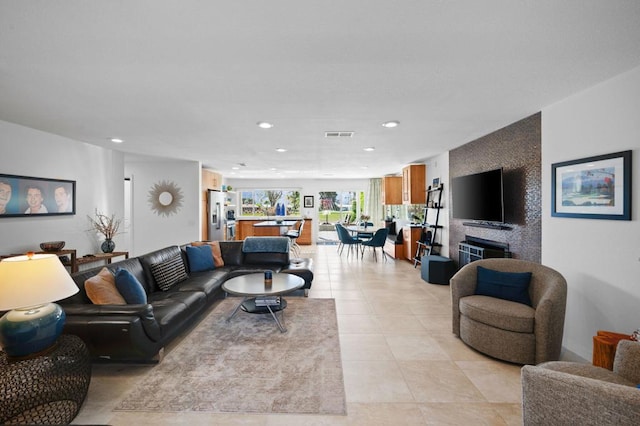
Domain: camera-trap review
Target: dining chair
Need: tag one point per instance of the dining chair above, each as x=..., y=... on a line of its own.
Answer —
x=378, y=240
x=293, y=235
x=346, y=240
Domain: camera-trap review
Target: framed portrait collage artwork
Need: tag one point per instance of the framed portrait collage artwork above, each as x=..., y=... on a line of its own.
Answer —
x=22, y=196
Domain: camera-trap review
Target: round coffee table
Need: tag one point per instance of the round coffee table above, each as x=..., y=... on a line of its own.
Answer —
x=261, y=299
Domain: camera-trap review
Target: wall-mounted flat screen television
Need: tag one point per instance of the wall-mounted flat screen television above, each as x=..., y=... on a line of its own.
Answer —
x=478, y=197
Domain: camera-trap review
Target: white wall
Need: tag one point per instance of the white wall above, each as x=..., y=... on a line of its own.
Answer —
x=599, y=258
x=150, y=230
x=98, y=174
x=307, y=187
x=438, y=167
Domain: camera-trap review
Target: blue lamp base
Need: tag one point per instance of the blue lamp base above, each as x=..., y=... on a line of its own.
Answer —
x=31, y=331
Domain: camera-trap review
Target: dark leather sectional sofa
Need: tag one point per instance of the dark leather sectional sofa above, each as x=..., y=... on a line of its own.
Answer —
x=140, y=332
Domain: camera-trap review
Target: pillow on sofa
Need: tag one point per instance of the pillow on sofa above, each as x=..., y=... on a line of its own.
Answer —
x=215, y=249
x=513, y=286
x=200, y=258
x=169, y=272
x=129, y=287
x=101, y=289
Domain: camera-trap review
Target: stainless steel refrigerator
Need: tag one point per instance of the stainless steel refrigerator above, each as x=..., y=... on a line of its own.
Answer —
x=215, y=215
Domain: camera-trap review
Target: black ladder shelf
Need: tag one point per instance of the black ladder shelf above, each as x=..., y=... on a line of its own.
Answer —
x=427, y=244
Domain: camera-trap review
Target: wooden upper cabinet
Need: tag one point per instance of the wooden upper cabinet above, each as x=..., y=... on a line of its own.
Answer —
x=414, y=184
x=211, y=180
x=392, y=190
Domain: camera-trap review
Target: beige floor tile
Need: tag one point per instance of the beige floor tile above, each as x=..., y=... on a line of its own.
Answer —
x=385, y=414
x=439, y=381
x=498, y=381
x=353, y=307
x=415, y=347
x=364, y=347
x=358, y=324
x=375, y=381
x=454, y=414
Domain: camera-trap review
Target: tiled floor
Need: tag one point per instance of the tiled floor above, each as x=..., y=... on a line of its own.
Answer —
x=401, y=363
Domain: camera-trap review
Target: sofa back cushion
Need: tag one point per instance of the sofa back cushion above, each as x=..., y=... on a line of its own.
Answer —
x=231, y=252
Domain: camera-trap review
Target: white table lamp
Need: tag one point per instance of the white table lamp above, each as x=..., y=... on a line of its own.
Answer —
x=28, y=285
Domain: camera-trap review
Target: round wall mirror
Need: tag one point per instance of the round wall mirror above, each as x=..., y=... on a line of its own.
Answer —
x=165, y=198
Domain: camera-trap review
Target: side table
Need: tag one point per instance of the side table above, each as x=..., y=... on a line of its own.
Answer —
x=47, y=389
x=605, y=344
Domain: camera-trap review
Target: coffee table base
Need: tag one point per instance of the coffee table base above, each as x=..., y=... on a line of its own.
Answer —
x=248, y=304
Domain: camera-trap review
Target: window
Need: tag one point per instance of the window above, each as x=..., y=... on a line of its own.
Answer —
x=340, y=206
x=263, y=202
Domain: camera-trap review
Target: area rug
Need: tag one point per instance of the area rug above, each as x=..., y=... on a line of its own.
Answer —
x=246, y=365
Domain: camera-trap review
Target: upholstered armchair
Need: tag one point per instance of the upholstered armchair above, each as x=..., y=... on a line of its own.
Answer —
x=505, y=329
x=570, y=393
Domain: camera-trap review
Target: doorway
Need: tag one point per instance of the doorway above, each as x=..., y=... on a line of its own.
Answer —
x=337, y=207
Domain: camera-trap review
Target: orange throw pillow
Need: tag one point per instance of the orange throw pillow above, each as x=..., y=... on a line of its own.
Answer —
x=215, y=249
x=101, y=289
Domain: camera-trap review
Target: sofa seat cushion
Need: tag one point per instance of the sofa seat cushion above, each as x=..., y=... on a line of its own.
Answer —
x=173, y=309
x=499, y=313
x=208, y=282
x=587, y=370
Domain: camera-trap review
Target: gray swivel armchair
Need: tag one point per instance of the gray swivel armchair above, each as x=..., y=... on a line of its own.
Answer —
x=508, y=330
x=571, y=393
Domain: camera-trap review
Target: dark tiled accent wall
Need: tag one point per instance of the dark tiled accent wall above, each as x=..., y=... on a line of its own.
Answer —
x=515, y=148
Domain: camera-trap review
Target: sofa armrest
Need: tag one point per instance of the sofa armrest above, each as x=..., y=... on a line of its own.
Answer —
x=462, y=284
x=627, y=360
x=555, y=397
x=113, y=312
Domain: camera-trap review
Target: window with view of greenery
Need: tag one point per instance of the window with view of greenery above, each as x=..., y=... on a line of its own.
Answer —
x=263, y=202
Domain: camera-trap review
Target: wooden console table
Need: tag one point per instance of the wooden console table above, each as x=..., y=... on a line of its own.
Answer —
x=100, y=257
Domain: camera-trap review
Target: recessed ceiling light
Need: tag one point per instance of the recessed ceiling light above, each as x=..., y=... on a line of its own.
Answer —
x=235, y=168
x=264, y=125
x=369, y=148
x=117, y=140
x=281, y=150
x=273, y=169
x=390, y=124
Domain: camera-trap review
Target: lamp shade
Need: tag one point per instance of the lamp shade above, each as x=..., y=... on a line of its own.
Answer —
x=33, y=280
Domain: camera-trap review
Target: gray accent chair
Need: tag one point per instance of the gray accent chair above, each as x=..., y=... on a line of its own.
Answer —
x=508, y=330
x=570, y=393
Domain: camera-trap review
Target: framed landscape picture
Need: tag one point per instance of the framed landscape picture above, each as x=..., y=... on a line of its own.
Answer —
x=592, y=188
x=22, y=196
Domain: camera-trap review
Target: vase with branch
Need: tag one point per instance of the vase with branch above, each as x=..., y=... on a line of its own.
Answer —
x=108, y=226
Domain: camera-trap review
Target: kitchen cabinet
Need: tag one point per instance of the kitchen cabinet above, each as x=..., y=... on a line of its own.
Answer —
x=411, y=236
x=392, y=190
x=414, y=184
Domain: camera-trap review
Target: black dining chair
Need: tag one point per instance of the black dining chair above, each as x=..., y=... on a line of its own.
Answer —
x=378, y=240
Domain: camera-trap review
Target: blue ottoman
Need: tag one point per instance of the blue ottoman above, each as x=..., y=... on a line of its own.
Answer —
x=437, y=269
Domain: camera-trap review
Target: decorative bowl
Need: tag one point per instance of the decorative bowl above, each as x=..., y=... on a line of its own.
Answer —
x=52, y=245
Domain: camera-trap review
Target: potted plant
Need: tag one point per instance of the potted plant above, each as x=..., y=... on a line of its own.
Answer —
x=108, y=226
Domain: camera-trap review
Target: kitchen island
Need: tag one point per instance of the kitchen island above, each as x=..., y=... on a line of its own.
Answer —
x=247, y=227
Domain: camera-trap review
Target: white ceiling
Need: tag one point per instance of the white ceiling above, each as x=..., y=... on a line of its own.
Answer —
x=190, y=79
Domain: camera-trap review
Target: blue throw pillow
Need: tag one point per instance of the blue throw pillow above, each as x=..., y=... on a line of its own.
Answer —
x=129, y=287
x=513, y=286
x=200, y=258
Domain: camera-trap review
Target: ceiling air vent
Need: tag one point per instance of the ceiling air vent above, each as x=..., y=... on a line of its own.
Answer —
x=338, y=134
